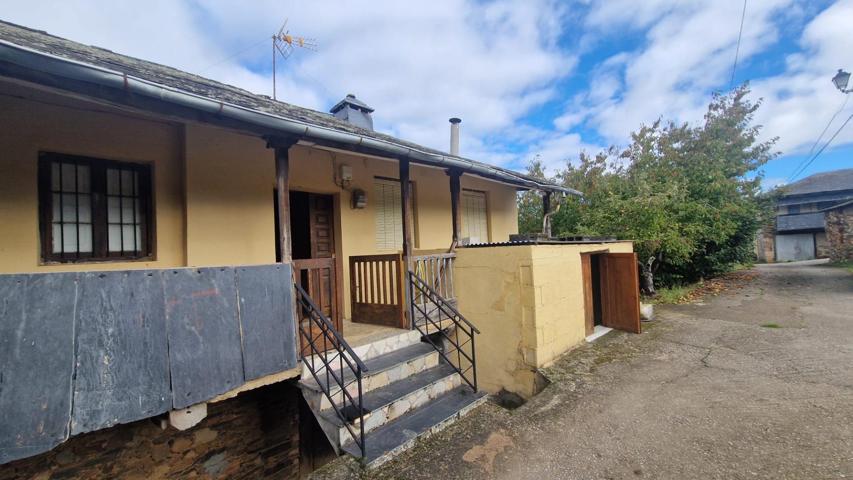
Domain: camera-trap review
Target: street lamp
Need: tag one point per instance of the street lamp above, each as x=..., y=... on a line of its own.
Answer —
x=841, y=79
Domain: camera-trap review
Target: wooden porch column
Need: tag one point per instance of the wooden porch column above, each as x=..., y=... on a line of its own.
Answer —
x=406, y=206
x=546, y=203
x=282, y=185
x=455, y=199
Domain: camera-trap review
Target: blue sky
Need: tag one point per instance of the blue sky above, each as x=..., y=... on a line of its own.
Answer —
x=529, y=78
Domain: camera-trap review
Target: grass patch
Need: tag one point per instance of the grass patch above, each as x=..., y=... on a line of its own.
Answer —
x=672, y=295
x=845, y=265
x=771, y=325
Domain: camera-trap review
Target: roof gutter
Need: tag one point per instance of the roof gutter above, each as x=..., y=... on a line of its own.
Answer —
x=76, y=70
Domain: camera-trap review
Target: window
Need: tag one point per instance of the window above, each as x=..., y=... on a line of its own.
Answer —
x=93, y=209
x=389, y=213
x=475, y=223
x=793, y=209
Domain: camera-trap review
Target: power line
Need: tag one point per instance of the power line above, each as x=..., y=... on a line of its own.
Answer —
x=229, y=57
x=737, y=49
x=817, y=154
x=819, y=138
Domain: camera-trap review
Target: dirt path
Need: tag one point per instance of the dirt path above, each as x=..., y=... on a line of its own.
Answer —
x=755, y=383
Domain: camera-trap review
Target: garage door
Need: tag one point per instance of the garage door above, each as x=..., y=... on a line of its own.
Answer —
x=799, y=246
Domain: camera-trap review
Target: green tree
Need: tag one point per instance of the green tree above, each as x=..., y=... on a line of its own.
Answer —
x=689, y=196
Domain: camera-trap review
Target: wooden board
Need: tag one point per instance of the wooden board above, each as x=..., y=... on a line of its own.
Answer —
x=36, y=362
x=122, y=353
x=204, y=334
x=620, y=292
x=266, y=319
x=588, y=302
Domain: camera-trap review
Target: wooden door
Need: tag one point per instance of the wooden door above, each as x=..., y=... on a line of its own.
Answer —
x=322, y=281
x=588, y=302
x=620, y=291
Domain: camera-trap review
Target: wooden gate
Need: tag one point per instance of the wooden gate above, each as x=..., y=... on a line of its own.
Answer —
x=376, y=289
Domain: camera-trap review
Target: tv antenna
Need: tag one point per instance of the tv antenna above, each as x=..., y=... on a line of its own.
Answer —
x=283, y=44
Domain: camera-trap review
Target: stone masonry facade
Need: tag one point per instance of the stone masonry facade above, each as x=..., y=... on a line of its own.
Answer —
x=839, y=233
x=252, y=436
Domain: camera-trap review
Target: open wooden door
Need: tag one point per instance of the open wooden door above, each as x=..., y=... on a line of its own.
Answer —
x=620, y=292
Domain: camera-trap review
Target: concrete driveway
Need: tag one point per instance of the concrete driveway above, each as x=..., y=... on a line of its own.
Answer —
x=755, y=383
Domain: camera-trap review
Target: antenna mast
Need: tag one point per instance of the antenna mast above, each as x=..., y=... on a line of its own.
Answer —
x=283, y=43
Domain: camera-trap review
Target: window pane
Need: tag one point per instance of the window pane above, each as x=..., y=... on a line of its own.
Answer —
x=54, y=176
x=69, y=240
x=68, y=177
x=57, y=238
x=85, y=237
x=69, y=207
x=129, y=241
x=114, y=234
x=83, y=178
x=84, y=208
x=112, y=181
x=127, y=210
x=138, y=238
x=127, y=182
x=55, y=214
x=113, y=209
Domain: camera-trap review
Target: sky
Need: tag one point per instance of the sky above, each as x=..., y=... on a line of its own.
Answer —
x=530, y=79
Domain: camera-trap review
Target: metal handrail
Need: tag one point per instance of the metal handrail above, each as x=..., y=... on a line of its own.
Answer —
x=416, y=283
x=325, y=376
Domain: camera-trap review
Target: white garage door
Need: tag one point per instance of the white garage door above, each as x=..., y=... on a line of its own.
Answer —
x=798, y=246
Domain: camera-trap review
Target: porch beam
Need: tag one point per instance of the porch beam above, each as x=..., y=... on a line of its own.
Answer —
x=282, y=185
x=455, y=200
x=405, y=200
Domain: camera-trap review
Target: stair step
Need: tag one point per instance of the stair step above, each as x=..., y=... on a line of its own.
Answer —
x=400, y=434
x=390, y=402
x=374, y=349
x=381, y=371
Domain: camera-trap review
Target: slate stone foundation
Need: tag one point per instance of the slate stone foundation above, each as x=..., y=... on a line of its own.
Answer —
x=254, y=435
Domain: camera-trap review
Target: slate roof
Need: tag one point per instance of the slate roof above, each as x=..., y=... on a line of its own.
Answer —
x=822, y=182
x=171, y=77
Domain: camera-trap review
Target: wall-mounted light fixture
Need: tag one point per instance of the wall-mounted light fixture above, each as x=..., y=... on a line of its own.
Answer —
x=359, y=199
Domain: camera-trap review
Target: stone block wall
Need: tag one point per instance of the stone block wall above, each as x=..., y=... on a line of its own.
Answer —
x=252, y=436
x=765, y=247
x=839, y=234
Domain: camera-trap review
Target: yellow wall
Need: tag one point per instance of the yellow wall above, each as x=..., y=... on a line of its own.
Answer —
x=528, y=303
x=230, y=181
x=213, y=187
x=39, y=124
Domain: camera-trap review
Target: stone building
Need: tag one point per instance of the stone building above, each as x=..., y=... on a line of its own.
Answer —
x=839, y=232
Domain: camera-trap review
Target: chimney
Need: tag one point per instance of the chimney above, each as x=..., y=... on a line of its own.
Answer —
x=454, y=135
x=354, y=111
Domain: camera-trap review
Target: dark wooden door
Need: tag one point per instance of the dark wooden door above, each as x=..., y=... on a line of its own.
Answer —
x=620, y=292
x=323, y=284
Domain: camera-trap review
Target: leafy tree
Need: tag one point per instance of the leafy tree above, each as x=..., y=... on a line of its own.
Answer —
x=689, y=196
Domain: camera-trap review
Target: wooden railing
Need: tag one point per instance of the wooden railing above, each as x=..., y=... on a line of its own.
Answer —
x=436, y=271
x=376, y=289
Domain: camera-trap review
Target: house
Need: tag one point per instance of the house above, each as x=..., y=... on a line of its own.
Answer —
x=799, y=232
x=198, y=279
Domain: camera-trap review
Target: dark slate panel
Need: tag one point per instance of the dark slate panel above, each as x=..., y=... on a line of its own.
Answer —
x=36, y=362
x=204, y=333
x=266, y=319
x=122, y=356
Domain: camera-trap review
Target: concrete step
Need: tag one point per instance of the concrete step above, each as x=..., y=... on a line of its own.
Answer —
x=385, y=442
x=382, y=370
x=376, y=348
x=393, y=401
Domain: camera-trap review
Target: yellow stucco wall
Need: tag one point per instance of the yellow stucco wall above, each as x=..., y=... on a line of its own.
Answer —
x=528, y=303
x=51, y=123
x=213, y=194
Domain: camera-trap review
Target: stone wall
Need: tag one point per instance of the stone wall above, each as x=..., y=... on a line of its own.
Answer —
x=839, y=233
x=254, y=435
x=765, y=244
